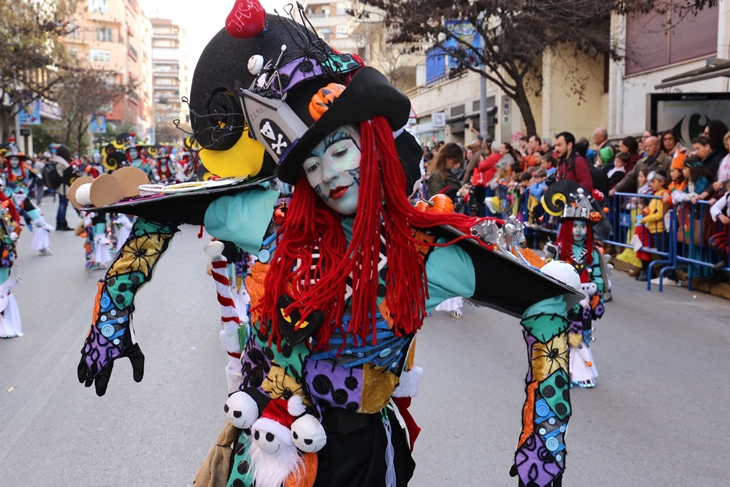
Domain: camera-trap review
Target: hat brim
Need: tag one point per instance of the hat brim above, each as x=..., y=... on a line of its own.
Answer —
x=368, y=95
x=499, y=292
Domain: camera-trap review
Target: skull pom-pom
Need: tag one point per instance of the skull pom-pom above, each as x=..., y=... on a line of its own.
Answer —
x=308, y=434
x=243, y=408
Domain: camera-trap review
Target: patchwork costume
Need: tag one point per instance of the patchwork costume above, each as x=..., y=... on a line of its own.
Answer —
x=19, y=180
x=568, y=200
x=327, y=369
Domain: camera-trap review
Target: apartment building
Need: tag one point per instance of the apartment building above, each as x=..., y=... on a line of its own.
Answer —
x=171, y=79
x=330, y=20
x=117, y=35
x=668, y=78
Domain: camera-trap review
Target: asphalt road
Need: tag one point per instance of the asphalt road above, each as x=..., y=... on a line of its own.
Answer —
x=657, y=417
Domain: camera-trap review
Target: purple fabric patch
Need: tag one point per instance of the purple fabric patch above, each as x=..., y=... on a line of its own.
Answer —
x=255, y=366
x=535, y=464
x=297, y=71
x=98, y=352
x=576, y=327
x=333, y=386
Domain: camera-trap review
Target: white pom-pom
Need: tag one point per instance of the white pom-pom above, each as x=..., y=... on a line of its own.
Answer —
x=295, y=406
x=562, y=272
x=255, y=64
x=214, y=249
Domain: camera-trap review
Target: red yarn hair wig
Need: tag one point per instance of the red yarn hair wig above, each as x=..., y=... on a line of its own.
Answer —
x=566, y=241
x=321, y=285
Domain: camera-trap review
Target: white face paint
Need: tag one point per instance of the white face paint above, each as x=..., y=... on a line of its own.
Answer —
x=333, y=169
x=133, y=154
x=14, y=162
x=580, y=228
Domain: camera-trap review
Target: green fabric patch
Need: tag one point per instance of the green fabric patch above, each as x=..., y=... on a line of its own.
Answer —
x=144, y=227
x=122, y=288
x=545, y=326
x=241, y=471
x=291, y=359
x=243, y=335
x=555, y=391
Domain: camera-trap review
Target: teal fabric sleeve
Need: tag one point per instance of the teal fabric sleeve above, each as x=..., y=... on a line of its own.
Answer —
x=99, y=228
x=242, y=218
x=450, y=273
x=34, y=214
x=554, y=305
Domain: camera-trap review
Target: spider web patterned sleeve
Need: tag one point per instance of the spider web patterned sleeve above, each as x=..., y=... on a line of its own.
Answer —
x=540, y=455
x=111, y=335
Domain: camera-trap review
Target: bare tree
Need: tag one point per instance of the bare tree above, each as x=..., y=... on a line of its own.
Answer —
x=511, y=35
x=84, y=93
x=30, y=52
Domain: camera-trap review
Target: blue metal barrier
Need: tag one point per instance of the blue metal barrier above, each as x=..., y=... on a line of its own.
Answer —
x=681, y=239
x=695, y=227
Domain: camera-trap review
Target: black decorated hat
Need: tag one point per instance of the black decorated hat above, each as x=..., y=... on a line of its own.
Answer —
x=369, y=94
x=226, y=63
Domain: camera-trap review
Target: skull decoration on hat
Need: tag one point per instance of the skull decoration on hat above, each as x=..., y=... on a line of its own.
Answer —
x=578, y=213
x=341, y=286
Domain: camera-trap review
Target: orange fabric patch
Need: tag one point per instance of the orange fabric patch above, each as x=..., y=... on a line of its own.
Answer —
x=307, y=474
x=422, y=237
x=528, y=413
x=255, y=287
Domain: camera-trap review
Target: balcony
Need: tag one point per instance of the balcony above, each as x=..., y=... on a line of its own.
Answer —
x=132, y=52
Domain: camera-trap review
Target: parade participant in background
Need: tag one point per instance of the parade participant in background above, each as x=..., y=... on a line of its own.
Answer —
x=328, y=365
x=578, y=212
x=124, y=227
x=19, y=182
x=93, y=229
x=10, y=324
x=137, y=157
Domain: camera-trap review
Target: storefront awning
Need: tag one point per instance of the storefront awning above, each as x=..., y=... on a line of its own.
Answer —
x=715, y=68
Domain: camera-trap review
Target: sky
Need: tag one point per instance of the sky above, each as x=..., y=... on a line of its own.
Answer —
x=201, y=18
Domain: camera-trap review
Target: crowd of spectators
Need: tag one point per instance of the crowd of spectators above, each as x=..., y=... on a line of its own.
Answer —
x=647, y=176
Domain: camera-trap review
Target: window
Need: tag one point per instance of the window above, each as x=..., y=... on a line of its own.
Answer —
x=99, y=6
x=341, y=30
x=74, y=52
x=104, y=34
x=100, y=56
x=326, y=11
x=73, y=31
x=341, y=8
x=164, y=43
x=650, y=45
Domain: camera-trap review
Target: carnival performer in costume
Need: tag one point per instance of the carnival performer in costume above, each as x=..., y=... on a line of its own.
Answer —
x=136, y=157
x=575, y=245
x=348, y=276
x=96, y=242
x=19, y=181
x=10, y=324
x=124, y=227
